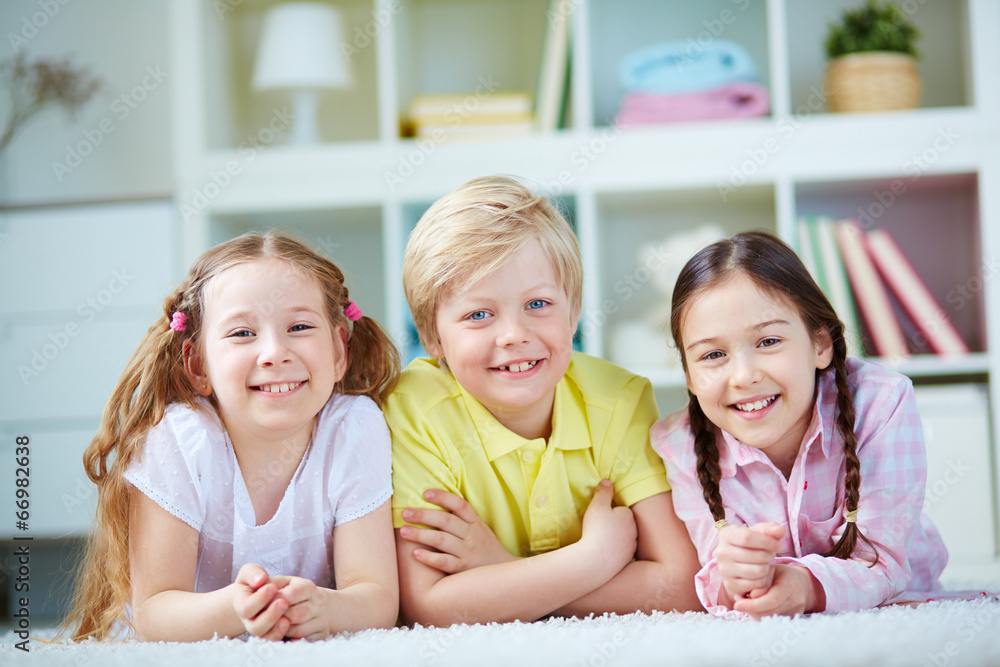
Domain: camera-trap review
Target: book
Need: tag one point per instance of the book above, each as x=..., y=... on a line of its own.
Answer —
x=818, y=251
x=469, y=103
x=805, y=251
x=912, y=293
x=553, y=82
x=473, y=132
x=470, y=116
x=839, y=288
x=872, y=297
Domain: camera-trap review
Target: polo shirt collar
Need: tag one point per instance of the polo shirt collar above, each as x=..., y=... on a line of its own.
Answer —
x=569, y=424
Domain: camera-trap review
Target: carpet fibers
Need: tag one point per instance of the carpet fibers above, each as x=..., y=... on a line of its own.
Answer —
x=935, y=634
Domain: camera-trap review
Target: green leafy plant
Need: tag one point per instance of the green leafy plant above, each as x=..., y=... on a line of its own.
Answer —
x=877, y=26
x=35, y=85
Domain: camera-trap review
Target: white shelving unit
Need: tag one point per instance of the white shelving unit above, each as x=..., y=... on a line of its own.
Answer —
x=357, y=194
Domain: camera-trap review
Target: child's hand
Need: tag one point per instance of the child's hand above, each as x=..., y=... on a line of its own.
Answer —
x=462, y=540
x=611, y=529
x=256, y=603
x=744, y=557
x=306, y=607
x=794, y=591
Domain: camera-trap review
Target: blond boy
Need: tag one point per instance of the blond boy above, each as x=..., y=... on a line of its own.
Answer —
x=524, y=484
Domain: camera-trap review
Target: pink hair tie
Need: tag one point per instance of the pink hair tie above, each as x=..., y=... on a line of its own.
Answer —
x=179, y=321
x=352, y=312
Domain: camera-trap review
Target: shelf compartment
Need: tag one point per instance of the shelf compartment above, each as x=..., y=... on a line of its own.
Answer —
x=236, y=116
x=618, y=27
x=634, y=280
x=944, y=64
x=350, y=237
x=935, y=220
x=445, y=46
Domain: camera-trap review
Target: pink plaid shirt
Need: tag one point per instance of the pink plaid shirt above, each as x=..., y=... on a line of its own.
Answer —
x=810, y=504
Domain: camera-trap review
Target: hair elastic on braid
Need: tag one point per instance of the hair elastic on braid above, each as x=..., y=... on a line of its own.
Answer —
x=852, y=516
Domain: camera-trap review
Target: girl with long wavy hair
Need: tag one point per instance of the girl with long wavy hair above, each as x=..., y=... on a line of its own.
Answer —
x=243, y=463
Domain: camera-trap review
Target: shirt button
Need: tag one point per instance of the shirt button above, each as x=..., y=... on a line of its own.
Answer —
x=541, y=500
x=527, y=457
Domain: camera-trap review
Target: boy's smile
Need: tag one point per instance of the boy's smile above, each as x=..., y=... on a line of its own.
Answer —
x=508, y=339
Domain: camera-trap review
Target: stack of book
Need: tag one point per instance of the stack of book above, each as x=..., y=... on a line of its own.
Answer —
x=474, y=116
x=862, y=272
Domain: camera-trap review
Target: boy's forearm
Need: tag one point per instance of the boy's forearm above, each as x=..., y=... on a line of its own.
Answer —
x=183, y=616
x=525, y=589
x=643, y=586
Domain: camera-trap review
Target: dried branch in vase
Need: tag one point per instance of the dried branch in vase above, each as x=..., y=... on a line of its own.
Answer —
x=35, y=85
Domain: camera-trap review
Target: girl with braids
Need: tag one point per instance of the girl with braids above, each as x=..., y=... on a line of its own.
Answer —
x=243, y=463
x=798, y=472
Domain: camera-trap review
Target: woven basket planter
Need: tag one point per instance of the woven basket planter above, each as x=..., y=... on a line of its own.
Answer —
x=872, y=81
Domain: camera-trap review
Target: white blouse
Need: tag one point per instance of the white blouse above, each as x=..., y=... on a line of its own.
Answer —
x=187, y=466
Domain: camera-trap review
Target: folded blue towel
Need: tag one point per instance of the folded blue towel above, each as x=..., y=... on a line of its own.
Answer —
x=685, y=66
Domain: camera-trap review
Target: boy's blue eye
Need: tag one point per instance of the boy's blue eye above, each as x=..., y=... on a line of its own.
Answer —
x=536, y=304
x=478, y=315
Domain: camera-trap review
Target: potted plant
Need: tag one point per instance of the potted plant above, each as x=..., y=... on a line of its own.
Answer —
x=872, y=56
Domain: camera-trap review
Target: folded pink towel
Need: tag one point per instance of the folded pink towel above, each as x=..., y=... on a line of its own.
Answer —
x=735, y=100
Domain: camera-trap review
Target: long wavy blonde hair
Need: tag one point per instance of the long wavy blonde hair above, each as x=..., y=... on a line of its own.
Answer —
x=154, y=378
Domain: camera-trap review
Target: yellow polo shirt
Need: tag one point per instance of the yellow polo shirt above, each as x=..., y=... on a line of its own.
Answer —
x=532, y=493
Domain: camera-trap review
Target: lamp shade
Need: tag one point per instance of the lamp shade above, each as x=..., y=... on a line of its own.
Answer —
x=299, y=48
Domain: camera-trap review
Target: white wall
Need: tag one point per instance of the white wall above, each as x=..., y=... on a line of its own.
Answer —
x=125, y=42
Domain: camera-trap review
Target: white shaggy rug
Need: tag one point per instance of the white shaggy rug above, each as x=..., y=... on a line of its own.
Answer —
x=933, y=634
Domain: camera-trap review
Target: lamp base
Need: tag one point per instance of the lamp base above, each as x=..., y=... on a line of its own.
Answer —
x=305, y=106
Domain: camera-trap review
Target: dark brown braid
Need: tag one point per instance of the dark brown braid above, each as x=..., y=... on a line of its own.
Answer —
x=775, y=268
x=708, y=457
x=845, y=424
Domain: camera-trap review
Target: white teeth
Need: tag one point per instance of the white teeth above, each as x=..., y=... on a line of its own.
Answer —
x=757, y=405
x=517, y=368
x=279, y=388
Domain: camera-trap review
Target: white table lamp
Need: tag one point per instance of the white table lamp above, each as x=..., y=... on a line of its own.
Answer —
x=299, y=52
